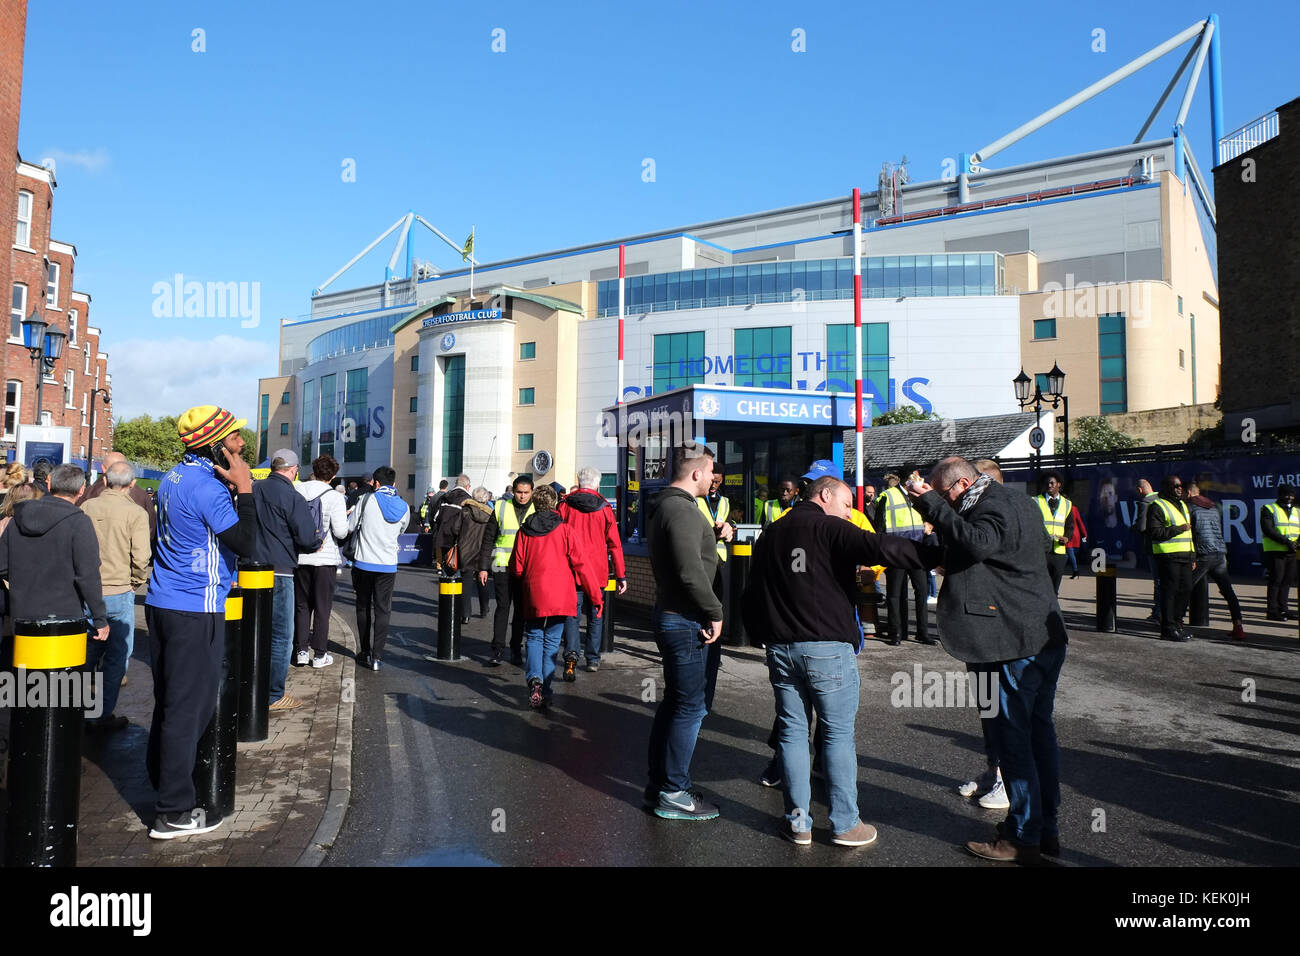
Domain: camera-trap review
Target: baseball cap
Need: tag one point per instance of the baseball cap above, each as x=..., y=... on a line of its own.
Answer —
x=283, y=458
x=206, y=425
x=821, y=469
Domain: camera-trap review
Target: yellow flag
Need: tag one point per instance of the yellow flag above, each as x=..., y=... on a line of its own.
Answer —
x=469, y=247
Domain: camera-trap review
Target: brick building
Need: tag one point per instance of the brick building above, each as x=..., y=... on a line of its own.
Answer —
x=40, y=272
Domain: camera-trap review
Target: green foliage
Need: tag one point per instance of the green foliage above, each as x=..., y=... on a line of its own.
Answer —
x=250, y=446
x=903, y=415
x=1094, y=433
x=151, y=441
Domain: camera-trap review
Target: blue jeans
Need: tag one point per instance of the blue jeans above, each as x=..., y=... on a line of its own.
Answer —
x=1026, y=742
x=116, y=651
x=690, y=675
x=281, y=634
x=542, y=635
x=823, y=674
x=572, y=627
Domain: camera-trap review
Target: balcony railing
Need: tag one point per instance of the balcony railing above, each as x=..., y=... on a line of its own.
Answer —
x=1248, y=137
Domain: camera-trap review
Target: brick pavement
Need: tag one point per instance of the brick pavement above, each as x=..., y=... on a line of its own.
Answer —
x=292, y=789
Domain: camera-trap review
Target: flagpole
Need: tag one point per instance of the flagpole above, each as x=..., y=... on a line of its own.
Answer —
x=621, y=276
x=857, y=344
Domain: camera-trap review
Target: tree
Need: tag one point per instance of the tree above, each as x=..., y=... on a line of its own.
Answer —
x=250, y=446
x=1094, y=433
x=151, y=441
x=903, y=415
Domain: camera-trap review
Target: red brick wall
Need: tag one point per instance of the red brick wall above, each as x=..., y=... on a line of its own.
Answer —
x=13, y=35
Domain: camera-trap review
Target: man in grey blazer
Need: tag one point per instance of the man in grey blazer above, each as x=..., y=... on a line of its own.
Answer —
x=998, y=610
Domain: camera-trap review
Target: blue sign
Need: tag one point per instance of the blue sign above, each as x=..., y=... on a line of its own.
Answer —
x=474, y=315
x=448, y=342
x=806, y=408
x=50, y=452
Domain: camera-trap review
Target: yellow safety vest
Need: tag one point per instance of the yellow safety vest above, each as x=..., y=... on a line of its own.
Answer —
x=899, y=514
x=773, y=510
x=1287, y=527
x=1182, y=544
x=507, y=528
x=724, y=509
x=1055, y=523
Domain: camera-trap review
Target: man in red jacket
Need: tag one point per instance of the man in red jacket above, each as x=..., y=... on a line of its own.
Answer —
x=546, y=561
x=591, y=521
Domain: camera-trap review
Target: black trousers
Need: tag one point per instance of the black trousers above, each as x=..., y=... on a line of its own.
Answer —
x=507, y=594
x=374, y=607
x=1175, y=577
x=185, y=649
x=470, y=577
x=896, y=580
x=313, y=599
x=1281, y=575
x=1215, y=567
x=1056, y=569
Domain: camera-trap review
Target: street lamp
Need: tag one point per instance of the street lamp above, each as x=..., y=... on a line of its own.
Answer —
x=90, y=448
x=1055, y=397
x=44, y=342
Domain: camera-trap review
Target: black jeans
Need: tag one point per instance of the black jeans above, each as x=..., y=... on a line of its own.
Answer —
x=1215, y=567
x=313, y=599
x=1056, y=569
x=374, y=607
x=1281, y=575
x=185, y=649
x=470, y=578
x=507, y=594
x=896, y=580
x=1175, y=576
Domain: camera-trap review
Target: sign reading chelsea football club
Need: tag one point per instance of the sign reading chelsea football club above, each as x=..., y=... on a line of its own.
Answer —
x=474, y=315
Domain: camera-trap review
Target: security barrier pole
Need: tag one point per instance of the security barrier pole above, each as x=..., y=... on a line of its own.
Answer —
x=214, y=766
x=257, y=581
x=45, y=744
x=739, y=562
x=449, y=608
x=1106, y=600
x=607, y=618
x=1198, y=609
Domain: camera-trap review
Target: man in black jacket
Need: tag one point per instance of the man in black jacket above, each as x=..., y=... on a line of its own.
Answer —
x=285, y=530
x=799, y=600
x=997, y=609
x=447, y=518
x=1169, y=527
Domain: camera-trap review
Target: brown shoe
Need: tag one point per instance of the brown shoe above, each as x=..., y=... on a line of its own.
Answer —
x=864, y=834
x=797, y=837
x=1004, y=851
x=287, y=702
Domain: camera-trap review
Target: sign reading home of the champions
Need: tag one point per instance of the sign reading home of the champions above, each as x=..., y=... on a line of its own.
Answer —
x=474, y=315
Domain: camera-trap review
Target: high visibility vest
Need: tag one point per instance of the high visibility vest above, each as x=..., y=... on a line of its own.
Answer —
x=507, y=528
x=899, y=514
x=1055, y=523
x=724, y=509
x=1287, y=527
x=1182, y=544
x=773, y=510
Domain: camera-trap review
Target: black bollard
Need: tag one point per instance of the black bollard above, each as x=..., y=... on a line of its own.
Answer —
x=257, y=581
x=1198, y=608
x=607, y=618
x=45, y=744
x=1106, y=600
x=739, y=562
x=449, y=608
x=214, y=766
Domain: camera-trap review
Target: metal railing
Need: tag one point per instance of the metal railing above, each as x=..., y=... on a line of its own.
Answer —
x=804, y=295
x=1248, y=137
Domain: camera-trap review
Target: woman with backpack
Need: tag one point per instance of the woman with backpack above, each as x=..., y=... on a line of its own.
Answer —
x=317, y=571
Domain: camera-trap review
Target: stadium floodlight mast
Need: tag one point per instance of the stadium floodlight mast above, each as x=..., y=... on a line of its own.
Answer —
x=403, y=244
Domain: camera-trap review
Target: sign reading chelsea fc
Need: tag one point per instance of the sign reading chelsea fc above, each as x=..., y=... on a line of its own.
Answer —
x=474, y=315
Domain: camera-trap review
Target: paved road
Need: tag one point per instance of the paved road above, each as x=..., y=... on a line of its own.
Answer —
x=1163, y=761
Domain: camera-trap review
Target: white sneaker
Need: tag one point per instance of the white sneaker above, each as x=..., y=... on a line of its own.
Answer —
x=325, y=660
x=996, y=799
x=981, y=784
x=304, y=658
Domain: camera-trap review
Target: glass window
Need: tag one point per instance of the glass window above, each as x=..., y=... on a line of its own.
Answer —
x=988, y=278
x=73, y=317
x=724, y=282
x=410, y=482
x=1044, y=328
x=415, y=363
x=907, y=275
x=23, y=231
x=1112, y=368
x=453, y=415
x=328, y=404
x=972, y=270
x=783, y=278
x=526, y=396
x=68, y=377
x=18, y=311
x=1040, y=382
x=13, y=406
x=608, y=484
x=1112, y=355
x=698, y=283
x=890, y=288
x=956, y=276
x=527, y=350
x=711, y=284
x=263, y=425
x=678, y=360
x=1182, y=359
x=415, y=403
x=85, y=398
x=922, y=275
x=873, y=278
x=1180, y=305
x=357, y=415
x=308, y=419
x=284, y=428
x=52, y=285
x=875, y=362
x=284, y=398
x=526, y=441
x=410, y=446
x=762, y=358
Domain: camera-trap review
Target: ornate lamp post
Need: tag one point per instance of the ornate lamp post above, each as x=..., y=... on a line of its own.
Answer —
x=1055, y=397
x=44, y=342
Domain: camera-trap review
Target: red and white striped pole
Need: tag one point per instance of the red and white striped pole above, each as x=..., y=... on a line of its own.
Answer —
x=621, y=270
x=857, y=343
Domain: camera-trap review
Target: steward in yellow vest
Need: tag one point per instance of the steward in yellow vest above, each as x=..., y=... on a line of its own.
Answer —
x=1169, y=526
x=1279, y=531
x=510, y=515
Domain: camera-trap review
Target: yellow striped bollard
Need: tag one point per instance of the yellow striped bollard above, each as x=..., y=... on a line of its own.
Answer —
x=257, y=582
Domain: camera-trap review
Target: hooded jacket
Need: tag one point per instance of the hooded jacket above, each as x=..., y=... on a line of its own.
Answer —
x=546, y=561
x=50, y=556
x=334, y=522
x=593, y=524
x=478, y=533
x=382, y=515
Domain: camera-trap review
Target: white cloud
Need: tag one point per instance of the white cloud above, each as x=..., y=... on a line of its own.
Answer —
x=154, y=377
x=91, y=160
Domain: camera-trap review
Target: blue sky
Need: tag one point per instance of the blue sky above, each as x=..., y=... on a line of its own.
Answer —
x=226, y=165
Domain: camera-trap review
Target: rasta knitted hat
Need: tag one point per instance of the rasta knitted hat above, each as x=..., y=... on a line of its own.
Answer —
x=205, y=425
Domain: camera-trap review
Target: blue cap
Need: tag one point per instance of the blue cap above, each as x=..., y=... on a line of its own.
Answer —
x=822, y=468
